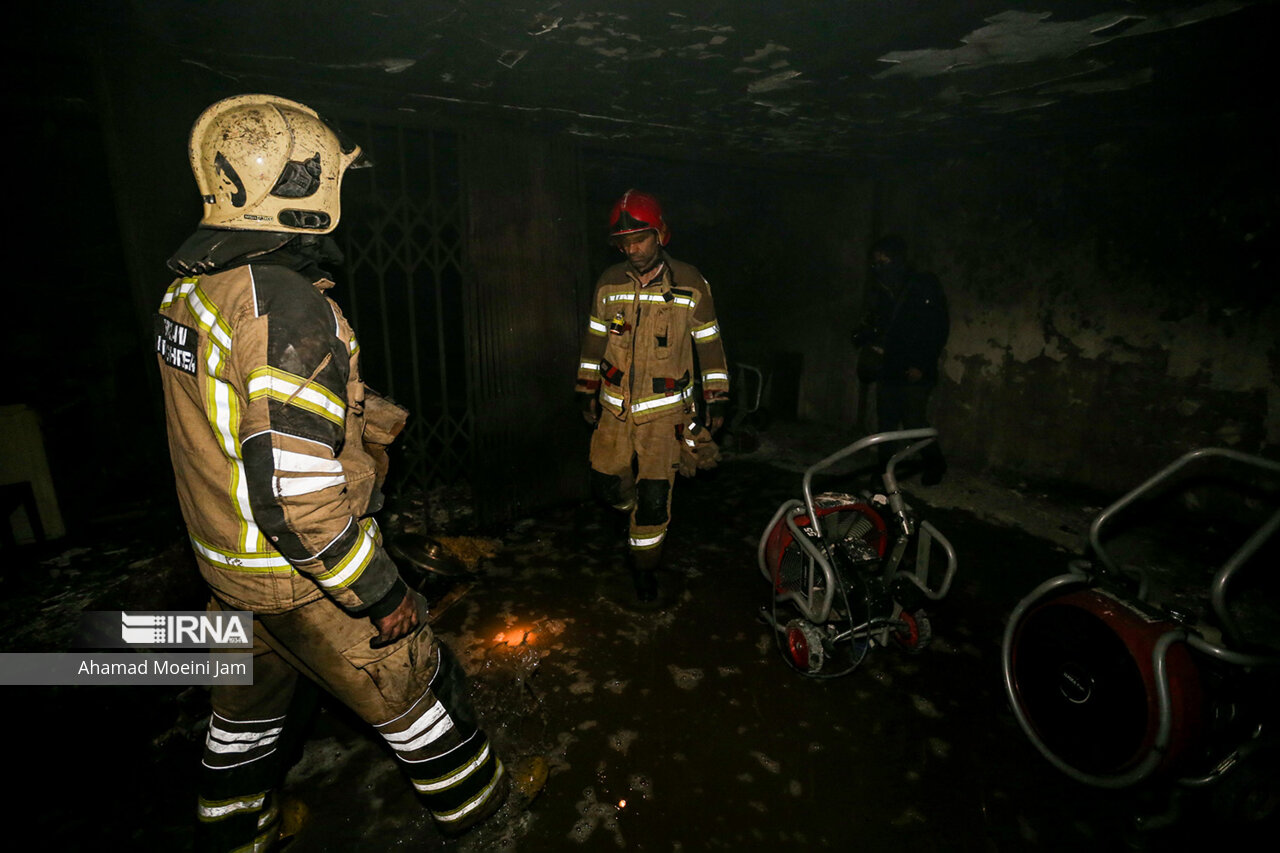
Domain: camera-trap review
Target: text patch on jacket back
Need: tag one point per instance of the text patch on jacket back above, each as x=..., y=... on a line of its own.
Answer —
x=176, y=344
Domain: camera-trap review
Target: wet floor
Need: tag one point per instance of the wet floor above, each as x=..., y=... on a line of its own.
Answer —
x=672, y=730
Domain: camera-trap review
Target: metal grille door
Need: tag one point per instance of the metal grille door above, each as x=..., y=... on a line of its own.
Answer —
x=405, y=260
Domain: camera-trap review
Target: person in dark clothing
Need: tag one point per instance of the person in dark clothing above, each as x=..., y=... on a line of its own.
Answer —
x=909, y=327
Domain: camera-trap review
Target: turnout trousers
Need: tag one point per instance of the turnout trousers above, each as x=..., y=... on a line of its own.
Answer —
x=633, y=467
x=412, y=692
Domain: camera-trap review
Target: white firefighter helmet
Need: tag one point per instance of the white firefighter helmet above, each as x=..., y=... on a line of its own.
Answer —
x=264, y=163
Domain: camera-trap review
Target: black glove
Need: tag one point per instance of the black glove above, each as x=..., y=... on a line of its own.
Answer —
x=715, y=415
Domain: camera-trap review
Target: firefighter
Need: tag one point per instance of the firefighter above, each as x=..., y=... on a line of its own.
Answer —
x=636, y=378
x=268, y=423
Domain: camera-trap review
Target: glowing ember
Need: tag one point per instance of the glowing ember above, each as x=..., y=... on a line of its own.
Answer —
x=622, y=804
x=515, y=637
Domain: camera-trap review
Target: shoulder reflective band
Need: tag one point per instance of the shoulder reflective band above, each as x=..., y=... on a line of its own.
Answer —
x=170, y=295
x=205, y=312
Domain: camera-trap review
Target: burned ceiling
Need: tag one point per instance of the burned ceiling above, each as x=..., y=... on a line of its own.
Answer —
x=799, y=80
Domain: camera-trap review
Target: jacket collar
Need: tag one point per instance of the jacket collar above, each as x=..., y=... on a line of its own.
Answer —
x=663, y=278
x=211, y=250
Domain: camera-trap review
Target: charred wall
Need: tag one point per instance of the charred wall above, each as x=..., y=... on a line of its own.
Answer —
x=1111, y=307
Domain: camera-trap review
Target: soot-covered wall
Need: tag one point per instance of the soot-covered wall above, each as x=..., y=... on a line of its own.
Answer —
x=1111, y=307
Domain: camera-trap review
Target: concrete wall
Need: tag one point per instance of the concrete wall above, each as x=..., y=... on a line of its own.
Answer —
x=1110, y=310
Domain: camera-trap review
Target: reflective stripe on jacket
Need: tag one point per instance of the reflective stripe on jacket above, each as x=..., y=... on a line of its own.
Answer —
x=265, y=409
x=637, y=353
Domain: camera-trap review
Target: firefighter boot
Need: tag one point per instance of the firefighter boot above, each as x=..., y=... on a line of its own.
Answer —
x=520, y=785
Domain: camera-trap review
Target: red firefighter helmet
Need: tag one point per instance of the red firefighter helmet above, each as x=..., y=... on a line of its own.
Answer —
x=637, y=211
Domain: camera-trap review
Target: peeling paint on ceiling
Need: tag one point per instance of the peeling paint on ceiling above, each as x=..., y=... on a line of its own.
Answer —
x=781, y=80
x=1022, y=37
x=844, y=78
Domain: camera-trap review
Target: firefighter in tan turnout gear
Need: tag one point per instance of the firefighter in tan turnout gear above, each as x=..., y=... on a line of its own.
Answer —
x=270, y=432
x=636, y=379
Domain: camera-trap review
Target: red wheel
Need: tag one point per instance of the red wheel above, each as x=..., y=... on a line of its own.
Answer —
x=915, y=633
x=798, y=646
x=804, y=646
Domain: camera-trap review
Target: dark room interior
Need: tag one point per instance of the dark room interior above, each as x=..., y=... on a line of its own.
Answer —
x=1087, y=180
